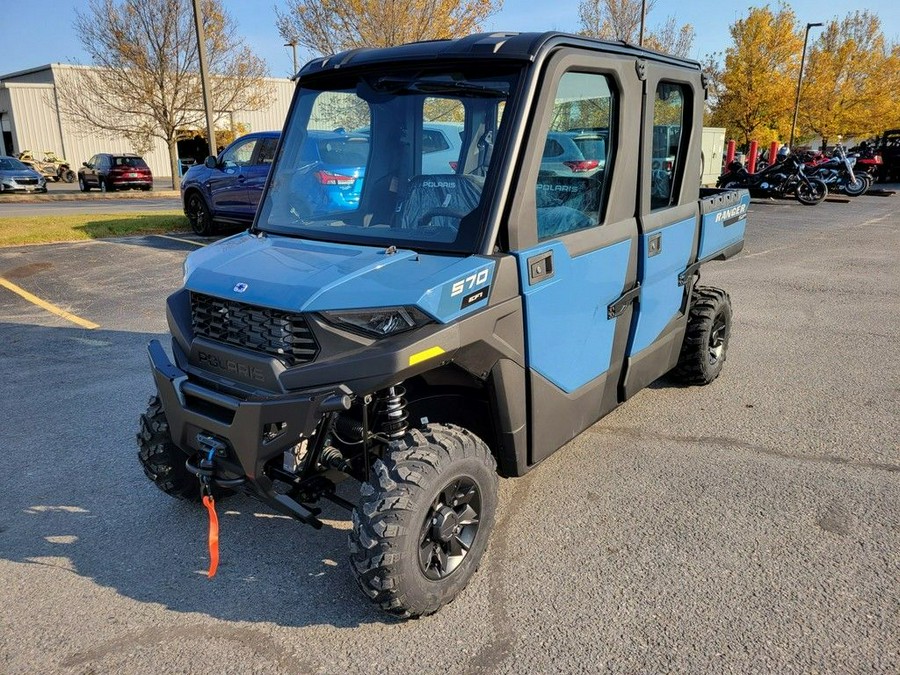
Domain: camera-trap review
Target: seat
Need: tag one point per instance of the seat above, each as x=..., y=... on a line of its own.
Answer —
x=439, y=201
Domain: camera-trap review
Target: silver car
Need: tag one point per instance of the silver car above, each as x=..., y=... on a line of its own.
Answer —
x=16, y=177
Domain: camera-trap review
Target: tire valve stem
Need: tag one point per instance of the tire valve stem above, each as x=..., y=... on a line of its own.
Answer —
x=390, y=406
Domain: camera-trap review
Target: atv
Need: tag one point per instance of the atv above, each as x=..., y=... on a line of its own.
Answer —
x=424, y=333
x=50, y=167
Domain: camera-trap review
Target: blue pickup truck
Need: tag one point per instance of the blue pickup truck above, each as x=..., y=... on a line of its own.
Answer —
x=444, y=328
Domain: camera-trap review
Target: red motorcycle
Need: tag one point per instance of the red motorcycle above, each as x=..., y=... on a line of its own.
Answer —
x=868, y=160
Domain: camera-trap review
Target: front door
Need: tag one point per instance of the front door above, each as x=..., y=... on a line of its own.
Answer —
x=227, y=182
x=576, y=243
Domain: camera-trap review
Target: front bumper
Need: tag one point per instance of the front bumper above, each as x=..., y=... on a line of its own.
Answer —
x=242, y=424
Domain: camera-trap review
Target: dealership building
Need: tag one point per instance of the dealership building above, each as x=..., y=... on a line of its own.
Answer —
x=30, y=119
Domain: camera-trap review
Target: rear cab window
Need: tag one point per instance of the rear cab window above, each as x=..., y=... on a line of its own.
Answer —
x=668, y=124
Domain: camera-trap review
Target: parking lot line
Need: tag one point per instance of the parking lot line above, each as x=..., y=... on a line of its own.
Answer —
x=50, y=307
x=185, y=241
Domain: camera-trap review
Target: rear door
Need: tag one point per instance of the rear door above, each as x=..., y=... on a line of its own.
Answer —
x=574, y=234
x=669, y=220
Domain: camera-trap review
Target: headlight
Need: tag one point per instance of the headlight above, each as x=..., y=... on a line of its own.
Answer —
x=379, y=322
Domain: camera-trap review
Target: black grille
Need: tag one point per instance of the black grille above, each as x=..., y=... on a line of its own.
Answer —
x=27, y=181
x=284, y=335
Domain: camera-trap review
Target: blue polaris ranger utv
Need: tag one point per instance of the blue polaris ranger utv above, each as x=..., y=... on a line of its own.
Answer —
x=442, y=328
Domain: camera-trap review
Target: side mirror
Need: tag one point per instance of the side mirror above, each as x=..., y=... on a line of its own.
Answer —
x=211, y=162
x=85, y=164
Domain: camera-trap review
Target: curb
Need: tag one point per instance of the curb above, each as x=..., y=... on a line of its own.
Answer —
x=50, y=197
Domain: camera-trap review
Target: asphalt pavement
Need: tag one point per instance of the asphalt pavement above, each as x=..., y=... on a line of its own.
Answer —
x=752, y=525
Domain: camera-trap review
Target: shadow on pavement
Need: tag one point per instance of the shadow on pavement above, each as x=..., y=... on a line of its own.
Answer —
x=78, y=500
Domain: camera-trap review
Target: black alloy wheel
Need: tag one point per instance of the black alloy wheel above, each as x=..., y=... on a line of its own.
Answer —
x=423, y=519
x=449, y=529
x=717, y=340
x=198, y=215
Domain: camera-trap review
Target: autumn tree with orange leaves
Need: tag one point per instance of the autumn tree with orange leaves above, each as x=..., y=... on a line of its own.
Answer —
x=331, y=26
x=851, y=79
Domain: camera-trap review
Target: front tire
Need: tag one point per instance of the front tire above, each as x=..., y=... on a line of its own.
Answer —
x=705, y=345
x=423, y=520
x=857, y=188
x=162, y=460
x=84, y=187
x=68, y=175
x=198, y=215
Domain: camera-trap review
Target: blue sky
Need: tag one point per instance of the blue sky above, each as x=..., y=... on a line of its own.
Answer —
x=36, y=33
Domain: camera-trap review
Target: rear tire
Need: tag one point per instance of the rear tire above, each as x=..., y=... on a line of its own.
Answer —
x=705, y=345
x=161, y=459
x=811, y=194
x=68, y=176
x=423, y=520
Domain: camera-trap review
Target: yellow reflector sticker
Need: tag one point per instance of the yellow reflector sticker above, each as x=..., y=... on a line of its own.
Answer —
x=424, y=356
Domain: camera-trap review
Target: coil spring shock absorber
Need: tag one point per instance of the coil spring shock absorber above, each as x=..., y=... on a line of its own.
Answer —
x=390, y=407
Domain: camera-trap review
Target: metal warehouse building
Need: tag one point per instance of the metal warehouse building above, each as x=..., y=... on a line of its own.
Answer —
x=30, y=119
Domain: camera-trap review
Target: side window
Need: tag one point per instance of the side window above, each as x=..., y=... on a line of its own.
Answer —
x=668, y=121
x=92, y=162
x=266, y=154
x=239, y=155
x=443, y=122
x=570, y=193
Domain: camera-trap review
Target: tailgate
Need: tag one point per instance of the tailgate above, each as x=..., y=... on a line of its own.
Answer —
x=723, y=219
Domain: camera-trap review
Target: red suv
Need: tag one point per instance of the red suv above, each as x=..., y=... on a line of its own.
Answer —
x=112, y=172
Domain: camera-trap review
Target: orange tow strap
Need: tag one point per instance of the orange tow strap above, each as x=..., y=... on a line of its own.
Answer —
x=210, y=505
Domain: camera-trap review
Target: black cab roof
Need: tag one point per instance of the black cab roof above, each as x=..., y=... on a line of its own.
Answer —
x=529, y=47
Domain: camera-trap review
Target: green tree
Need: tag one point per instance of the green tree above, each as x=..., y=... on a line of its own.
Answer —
x=331, y=26
x=621, y=20
x=754, y=97
x=146, y=82
x=851, y=79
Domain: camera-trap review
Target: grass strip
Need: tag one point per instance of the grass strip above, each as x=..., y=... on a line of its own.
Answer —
x=15, y=231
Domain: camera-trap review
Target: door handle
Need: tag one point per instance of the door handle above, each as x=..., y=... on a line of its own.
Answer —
x=540, y=267
x=654, y=245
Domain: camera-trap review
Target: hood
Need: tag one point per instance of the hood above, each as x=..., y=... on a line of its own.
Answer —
x=302, y=275
x=19, y=173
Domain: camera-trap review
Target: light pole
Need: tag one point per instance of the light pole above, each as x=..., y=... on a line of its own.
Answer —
x=799, y=82
x=643, y=16
x=293, y=45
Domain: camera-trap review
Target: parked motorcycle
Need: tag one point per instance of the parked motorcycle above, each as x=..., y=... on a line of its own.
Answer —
x=868, y=159
x=50, y=167
x=785, y=178
x=839, y=175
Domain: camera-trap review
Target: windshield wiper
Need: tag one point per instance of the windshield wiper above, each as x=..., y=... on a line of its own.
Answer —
x=398, y=85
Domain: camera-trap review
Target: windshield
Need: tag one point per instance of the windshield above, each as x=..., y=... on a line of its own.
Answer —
x=399, y=158
x=10, y=164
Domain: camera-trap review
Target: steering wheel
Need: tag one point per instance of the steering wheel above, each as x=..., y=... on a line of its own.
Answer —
x=431, y=214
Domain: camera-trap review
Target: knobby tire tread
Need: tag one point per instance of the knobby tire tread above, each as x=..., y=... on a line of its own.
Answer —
x=408, y=470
